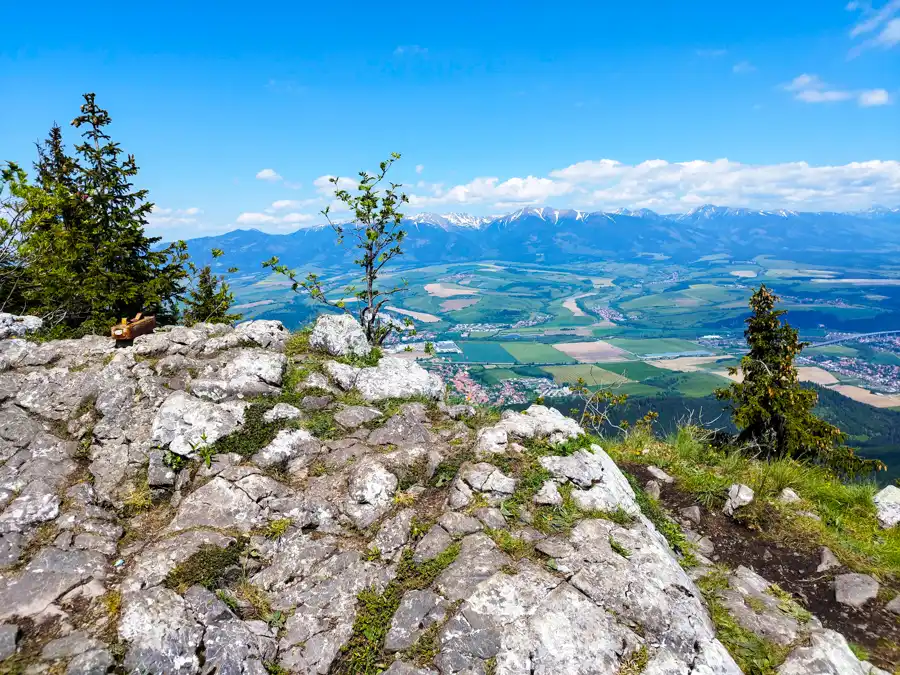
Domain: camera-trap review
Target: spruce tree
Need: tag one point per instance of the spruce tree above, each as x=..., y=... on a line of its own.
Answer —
x=91, y=263
x=209, y=298
x=773, y=412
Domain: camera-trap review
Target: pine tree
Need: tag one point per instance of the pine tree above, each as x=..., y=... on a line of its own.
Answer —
x=209, y=297
x=773, y=412
x=91, y=262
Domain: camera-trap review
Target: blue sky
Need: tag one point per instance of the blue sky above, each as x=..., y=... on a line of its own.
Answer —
x=592, y=105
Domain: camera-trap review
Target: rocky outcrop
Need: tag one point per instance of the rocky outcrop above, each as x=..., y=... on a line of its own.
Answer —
x=887, y=505
x=18, y=326
x=175, y=507
x=339, y=335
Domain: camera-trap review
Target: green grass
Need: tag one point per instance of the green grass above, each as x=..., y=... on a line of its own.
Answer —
x=848, y=525
x=206, y=567
x=363, y=653
x=536, y=352
x=753, y=654
x=832, y=350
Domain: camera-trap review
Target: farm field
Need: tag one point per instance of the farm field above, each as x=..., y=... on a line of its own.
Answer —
x=536, y=352
x=592, y=375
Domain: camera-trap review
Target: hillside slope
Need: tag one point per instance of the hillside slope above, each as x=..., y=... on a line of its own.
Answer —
x=234, y=500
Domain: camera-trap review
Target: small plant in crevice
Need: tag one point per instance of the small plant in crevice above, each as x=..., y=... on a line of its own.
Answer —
x=635, y=662
x=276, y=529
x=363, y=653
x=207, y=567
x=753, y=654
x=619, y=548
x=174, y=461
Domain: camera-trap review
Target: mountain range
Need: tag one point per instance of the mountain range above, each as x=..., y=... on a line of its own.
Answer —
x=553, y=236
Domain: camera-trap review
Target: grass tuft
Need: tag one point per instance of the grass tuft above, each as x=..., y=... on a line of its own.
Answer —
x=207, y=567
x=635, y=663
x=363, y=653
x=753, y=654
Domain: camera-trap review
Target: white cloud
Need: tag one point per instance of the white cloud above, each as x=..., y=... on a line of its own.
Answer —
x=162, y=216
x=743, y=67
x=890, y=34
x=710, y=53
x=882, y=24
x=272, y=223
x=269, y=175
x=811, y=89
x=327, y=188
x=420, y=168
x=874, y=97
x=410, y=50
x=490, y=190
x=667, y=187
x=282, y=204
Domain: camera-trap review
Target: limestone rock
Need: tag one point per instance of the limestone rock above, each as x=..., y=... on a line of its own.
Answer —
x=435, y=542
x=287, y=446
x=183, y=421
x=12, y=325
x=417, y=611
x=827, y=654
x=394, y=377
x=548, y=495
x=353, y=416
x=600, y=485
x=738, y=496
x=854, y=589
x=282, y=411
x=9, y=634
x=490, y=441
x=660, y=475
x=218, y=504
x=339, y=335
x=162, y=634
x=788, y=496
x=829, y=560
x=242, y=374
x=887, y=503
x=539, y=422
x=267, y=334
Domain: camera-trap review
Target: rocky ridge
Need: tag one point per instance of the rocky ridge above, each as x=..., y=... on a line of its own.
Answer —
x=232, y=500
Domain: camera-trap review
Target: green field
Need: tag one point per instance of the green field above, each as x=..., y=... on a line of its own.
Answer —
x=655, y=345
x=490, y=352
x=634, y=370
x=833, y=350
x=536, y=352
x=593, y=375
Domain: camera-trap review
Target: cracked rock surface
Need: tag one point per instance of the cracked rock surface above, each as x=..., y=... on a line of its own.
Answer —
x=182, y=505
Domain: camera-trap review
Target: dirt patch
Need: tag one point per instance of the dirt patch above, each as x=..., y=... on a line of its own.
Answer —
x=461, y=303
x=419, y=316
x=815, y=374
x=448, y=291
x=687, y=364
x=592, y=352
x=866, y=396
x=572, y=304
x=602, y=282
x=793, y=569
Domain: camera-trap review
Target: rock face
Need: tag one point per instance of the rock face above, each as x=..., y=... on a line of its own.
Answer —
x=18, y=326
x=168, y=507
x=339, y=335
x=392, y=378
x=887, y=503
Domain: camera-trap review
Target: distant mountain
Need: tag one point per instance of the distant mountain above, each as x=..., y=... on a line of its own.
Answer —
x=553, y=236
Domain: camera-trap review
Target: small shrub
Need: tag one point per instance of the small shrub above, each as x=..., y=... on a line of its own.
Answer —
x=635, y=663
x=619, y=548
x=276, y=528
